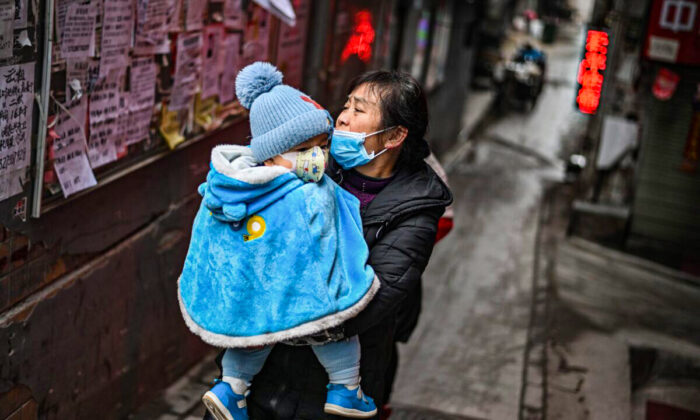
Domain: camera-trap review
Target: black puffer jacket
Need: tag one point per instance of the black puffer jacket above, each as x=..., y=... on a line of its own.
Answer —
x=399, y=226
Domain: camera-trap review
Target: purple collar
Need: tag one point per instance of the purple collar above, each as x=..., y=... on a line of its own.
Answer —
x=364, y=187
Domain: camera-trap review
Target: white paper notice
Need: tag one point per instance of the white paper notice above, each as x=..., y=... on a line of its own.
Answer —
x=139, y=126
x=195, y=14
x=143, y=83
x=142, y=99
x=70, y=150
x=233, y=15
x=232, y=47
x=152, y=27
x=16, y=102
x=7, y=24
x=212, y=60
x=104, y=99
x=61, y=11
x=188, y=65
x=117, y=27
x=78, y=32
x=11, y=183
x=102, y=149
x=73, y=171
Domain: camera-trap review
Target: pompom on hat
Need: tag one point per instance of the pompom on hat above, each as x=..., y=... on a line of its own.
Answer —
x=281, y=117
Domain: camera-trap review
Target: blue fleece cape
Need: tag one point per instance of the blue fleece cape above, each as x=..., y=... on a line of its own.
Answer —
x=271, y=258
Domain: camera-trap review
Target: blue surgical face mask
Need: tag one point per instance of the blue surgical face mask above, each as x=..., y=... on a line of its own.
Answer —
x=348, y=148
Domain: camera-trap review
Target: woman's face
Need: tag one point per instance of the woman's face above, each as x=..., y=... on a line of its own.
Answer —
x=361, y=114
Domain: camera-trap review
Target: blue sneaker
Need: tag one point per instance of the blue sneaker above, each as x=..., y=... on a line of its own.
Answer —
x=224, y=404
x=349, y=402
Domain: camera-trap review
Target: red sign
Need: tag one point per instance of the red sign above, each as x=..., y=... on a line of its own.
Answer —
x=361, y=39
x=590, y=71
x=673, y=35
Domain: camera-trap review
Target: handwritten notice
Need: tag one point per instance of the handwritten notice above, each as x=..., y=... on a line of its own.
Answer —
x=188, y=65
x=78, y=32
x=7, y=25
x=104, y=99
x=232, y=48
x=212, y=60
x=102, y=148
x=16, y=96
x=152, y=27
x=70, y=149
x=233, y=15
x=117, y=26
x=195, y=14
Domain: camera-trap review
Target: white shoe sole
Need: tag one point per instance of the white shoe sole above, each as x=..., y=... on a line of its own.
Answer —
x=348, y=412
x=215, y=408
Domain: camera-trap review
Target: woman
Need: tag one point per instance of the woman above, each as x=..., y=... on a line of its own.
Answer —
x=401, y=201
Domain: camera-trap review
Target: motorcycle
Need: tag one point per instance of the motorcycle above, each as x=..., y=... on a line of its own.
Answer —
x=520, y=80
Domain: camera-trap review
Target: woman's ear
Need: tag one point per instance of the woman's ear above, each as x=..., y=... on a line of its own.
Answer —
x=396, y=137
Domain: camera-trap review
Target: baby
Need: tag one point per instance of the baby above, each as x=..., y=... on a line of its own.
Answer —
x=277, y=250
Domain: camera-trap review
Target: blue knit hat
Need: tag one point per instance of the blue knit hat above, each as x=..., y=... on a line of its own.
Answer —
x=280, y=116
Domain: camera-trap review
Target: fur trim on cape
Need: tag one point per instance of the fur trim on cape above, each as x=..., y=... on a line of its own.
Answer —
x=237, y=162
x=303, y=330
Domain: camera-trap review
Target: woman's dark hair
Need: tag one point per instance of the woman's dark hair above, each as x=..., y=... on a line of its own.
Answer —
x=401, y=102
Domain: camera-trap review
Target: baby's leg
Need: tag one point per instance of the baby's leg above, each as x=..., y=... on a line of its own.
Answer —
x=341, y=359
x=226, y=399
x=342, y=362
x=239, y=366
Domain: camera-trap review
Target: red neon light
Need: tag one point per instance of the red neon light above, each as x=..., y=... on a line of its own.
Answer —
x=589, y=71
x=360, y=42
